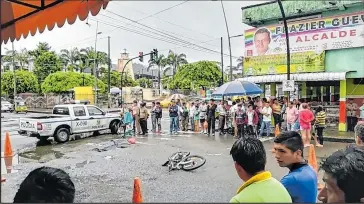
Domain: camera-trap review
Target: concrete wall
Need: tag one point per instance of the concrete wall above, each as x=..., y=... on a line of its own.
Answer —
x=350, y=59
x=130, y=94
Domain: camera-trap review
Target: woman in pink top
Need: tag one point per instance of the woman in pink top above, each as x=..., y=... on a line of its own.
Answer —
x=292, y=115
x=305, y=118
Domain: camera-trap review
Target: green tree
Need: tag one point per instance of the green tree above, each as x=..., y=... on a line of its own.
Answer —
x=26, y=82
x=194, y=75
x=41, y=47
x=45, y=64
x=70, y=58
x=21, y=58
x=144, y=82
x=115, y=80
x=61, y=82
x=87, y=56
x=174, y=60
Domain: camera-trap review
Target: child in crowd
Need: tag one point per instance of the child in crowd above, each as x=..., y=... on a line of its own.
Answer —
x=251, y=120
x=128, y=122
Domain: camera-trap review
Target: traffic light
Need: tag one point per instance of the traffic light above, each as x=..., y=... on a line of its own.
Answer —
x=155, y=51
x=141, y=56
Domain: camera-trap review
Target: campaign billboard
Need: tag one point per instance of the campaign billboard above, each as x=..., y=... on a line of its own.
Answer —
x=334, y=32
x=302, y=62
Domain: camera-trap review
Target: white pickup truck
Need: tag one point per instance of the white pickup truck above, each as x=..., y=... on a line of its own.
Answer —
x=67, y=120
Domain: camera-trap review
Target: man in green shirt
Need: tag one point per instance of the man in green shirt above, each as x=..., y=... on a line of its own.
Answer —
x=259, y=186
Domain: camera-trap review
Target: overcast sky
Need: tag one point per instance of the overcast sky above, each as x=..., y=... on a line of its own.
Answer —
x=192, y=22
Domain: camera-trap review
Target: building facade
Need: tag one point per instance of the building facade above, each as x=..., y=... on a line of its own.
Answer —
x=327, y=51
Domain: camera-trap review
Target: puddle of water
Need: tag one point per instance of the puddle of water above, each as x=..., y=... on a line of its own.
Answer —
x=42, y=154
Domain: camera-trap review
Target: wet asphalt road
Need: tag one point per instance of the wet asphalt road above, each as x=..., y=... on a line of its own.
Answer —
x=10, y=124
x=108, y=176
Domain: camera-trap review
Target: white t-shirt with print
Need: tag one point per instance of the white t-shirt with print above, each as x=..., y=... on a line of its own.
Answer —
x=267, y=110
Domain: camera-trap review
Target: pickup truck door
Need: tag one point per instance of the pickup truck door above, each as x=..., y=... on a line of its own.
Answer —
x=81, y=122
x=97, y=119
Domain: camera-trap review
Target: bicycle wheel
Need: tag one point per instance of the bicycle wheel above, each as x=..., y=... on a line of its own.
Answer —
x=195, y=162
x=184, y=154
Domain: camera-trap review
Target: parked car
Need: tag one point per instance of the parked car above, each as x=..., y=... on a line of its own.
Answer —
x=67, y=120
x=6, y=106
x=21, y=107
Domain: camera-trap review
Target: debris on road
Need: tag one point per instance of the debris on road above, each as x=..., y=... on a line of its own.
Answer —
x=108, y=157
x=106, y=146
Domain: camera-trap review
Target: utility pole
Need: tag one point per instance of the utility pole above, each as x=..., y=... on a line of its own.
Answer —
x=95, y=62
x=228, y=33
x=222, y=63
x=14, y=73
x=287, y=44
x=109, y=70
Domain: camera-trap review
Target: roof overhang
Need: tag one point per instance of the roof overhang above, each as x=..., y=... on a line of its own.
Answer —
x=21, y=17
x=322, y=76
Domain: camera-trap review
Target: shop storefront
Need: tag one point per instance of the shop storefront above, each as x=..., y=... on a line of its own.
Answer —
x=327, y=63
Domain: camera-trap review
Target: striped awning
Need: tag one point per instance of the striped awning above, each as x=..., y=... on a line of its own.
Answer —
x=21, y=17
x=322, y=76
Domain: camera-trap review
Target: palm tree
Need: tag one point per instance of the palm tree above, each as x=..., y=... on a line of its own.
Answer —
x=70, y=58
x=160, y=61
x=87, y=56
x=240, y=62
x=21, y=58
x=175, y=60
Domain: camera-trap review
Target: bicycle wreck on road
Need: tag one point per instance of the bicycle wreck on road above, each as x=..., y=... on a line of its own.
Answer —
x=184, y=161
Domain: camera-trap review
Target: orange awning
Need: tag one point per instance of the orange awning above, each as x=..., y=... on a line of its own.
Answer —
x=19, y=17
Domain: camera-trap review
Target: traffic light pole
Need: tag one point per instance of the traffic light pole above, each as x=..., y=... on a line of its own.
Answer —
x=122, y=72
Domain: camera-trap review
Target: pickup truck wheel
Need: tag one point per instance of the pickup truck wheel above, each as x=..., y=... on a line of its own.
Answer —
x=62, y=135
x=114, y=127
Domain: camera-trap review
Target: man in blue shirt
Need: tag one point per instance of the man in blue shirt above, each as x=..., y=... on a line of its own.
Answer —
x=301, y=181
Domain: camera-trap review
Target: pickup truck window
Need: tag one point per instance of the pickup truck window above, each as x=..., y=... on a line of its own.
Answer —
x=61, y=111
x=93, y=110
x=79, y=111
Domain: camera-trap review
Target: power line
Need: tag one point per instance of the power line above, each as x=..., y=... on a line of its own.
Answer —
x=163, y=10
x=149, y=31
x=151, y=15
x=168, y=40
x=194, y=31
x=163, y=33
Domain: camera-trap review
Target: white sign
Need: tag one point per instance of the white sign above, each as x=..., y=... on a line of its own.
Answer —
x=329, y=33
x=288, y=85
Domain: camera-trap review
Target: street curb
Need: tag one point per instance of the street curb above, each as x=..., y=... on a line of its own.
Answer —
x=338, y=139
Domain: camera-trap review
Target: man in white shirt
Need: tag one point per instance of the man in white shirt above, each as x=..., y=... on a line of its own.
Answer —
x=221, y=109
x=191, y=116
x=267, y=119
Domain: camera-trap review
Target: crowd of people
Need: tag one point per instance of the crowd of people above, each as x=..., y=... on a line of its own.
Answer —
x=251, y=117
x=343, y=175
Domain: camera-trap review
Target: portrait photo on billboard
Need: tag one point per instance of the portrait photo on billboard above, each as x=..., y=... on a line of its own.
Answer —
x=262, y=40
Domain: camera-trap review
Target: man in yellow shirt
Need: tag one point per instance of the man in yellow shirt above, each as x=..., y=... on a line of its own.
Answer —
x=259, y=186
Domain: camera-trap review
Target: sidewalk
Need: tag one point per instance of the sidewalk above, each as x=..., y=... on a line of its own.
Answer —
x=49, y=111
x=332, y=135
